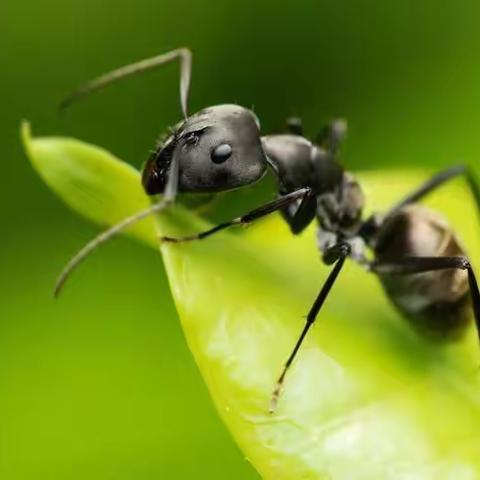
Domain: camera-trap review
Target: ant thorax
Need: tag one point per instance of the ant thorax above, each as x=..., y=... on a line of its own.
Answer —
x=340, y=211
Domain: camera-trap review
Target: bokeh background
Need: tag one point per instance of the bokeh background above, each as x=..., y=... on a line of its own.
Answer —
x=101, y=384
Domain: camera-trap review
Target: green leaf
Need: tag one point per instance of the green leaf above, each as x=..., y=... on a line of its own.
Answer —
x=91, y=181
x=366, y=399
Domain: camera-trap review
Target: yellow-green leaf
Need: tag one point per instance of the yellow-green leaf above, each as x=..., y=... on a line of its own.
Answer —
x=90, y=180
x=366, y=399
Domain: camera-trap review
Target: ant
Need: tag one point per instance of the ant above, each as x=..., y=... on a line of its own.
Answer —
x=414, y=252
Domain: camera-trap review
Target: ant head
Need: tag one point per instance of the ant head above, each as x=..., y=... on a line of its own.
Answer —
x=217, y=149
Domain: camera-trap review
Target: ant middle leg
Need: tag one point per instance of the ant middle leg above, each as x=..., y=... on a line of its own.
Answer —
x=336, y=255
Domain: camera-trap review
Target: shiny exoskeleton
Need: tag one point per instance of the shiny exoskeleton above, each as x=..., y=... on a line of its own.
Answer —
x=436, y=302
x=414, y=252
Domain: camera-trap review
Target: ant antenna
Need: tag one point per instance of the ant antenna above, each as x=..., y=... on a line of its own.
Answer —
x=168, y=197
x=184, y=54
x=102, y=238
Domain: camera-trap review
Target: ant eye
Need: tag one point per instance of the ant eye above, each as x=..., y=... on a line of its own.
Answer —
x=221, y=153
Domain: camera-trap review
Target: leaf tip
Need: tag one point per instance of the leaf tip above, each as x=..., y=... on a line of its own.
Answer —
x=26, y=137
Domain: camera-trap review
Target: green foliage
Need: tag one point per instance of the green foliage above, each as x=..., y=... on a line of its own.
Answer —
x=366, y=399
x=102, y=188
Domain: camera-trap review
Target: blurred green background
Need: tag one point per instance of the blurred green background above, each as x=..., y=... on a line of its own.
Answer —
x=101, y=383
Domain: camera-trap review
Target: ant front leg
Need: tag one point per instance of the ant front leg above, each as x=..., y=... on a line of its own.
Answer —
x=304, y=195
x=300, y=216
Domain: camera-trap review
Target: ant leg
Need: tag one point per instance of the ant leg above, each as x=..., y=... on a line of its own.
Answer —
x=294, y=126
x=303, y=194
x=334, y=255
x=435, y=182
x=332, y=135
x=409, y=265
x=299, y=217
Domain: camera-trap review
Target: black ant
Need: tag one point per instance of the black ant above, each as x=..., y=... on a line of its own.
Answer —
x=416, y=255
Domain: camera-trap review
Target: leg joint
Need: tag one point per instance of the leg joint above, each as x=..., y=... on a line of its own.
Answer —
x=340, y=250
x=465, y=263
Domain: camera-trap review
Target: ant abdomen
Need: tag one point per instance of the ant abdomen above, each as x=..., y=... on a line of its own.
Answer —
x=435, y=302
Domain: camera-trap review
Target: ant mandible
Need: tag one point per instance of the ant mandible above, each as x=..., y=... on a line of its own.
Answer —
x=414, y=252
